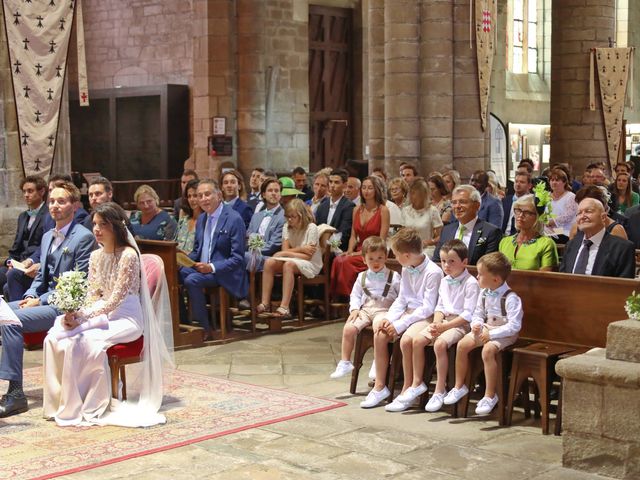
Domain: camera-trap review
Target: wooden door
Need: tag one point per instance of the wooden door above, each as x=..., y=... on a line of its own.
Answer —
x=330, y=86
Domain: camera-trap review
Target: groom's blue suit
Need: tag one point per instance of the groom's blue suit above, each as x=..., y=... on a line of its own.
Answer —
x=73, y=252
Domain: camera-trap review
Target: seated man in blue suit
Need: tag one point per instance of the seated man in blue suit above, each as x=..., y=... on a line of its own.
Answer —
x=479, y=236
x=232, y=185
x=218, y=252
x=64, y=248
x=27, y=241
x=490, y=207
x=336, y=209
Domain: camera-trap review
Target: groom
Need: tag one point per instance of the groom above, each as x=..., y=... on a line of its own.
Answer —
x=63, y=248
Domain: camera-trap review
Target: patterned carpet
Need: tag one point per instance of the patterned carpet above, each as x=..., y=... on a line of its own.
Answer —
x=197, y=408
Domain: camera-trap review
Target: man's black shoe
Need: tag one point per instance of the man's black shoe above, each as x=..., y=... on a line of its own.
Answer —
x=10, y=405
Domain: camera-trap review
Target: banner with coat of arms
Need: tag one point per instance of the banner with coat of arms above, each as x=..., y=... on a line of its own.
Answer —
x=38, y=35
x=614, y=65
x=485, y=23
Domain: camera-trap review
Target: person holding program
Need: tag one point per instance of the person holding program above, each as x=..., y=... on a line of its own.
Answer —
x=416, y=301
x=496, y=322
x=373, y=293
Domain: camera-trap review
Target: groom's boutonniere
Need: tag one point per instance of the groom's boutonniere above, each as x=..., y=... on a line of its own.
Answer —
x=66, y=251
x=481, y=241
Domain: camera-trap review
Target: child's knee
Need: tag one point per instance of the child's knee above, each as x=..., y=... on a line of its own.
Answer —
x=465, y=345
x=489, y=352
x=406, y=342
x=349, y=330
x=440, y=346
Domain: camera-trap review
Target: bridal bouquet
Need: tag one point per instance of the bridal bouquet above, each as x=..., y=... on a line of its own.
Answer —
x=334, y=243
x=632, y=306
x=256, y=243
x=71, y=291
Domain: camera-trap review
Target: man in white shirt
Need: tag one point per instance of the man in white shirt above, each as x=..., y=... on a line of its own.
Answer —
x=480, y=237
x=521, y=186
x=337, y=210
x=594, y=251
x=352, y=190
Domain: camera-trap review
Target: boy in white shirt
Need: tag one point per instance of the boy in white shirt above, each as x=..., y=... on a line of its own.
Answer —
x=416, y=301
x=457, y=298
x=495, y=325
x=373, y=292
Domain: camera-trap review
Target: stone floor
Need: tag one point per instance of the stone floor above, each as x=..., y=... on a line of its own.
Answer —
x=347, y=442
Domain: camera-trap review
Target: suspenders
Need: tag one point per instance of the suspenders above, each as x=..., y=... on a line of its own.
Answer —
x=503, y=302
x=387, y=286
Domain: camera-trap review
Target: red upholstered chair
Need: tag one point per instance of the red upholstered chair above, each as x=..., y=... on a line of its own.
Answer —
x=123, y=354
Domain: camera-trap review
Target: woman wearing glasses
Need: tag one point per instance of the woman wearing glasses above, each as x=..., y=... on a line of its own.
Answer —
x=529, y=249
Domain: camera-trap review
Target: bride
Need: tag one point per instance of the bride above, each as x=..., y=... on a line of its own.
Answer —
x=77, y=386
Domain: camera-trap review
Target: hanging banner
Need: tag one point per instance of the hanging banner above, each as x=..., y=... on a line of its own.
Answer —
x=83, y=84
x=486, y=18
x=38, y=38
x=614, y=66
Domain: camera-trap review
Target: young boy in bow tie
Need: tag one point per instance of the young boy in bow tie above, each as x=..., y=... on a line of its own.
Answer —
x=457, y=298
x=416, y=301
x=373, y=293
x=495, y=325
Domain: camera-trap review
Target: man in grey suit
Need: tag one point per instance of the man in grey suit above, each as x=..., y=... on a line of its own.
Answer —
x=67, y=246
x=480, y=236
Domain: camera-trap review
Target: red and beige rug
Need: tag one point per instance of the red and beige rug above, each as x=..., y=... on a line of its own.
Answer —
x=198, y=408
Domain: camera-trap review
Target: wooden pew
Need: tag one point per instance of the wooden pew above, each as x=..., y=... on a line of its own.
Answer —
x=183, y=335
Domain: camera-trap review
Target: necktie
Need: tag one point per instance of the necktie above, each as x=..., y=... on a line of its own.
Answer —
x=583, y=258
x=206, y=243
x=461, y=232
x=373, y=276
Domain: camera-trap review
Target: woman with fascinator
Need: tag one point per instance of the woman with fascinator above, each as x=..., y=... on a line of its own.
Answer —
x=118, y=309
x=529, y=248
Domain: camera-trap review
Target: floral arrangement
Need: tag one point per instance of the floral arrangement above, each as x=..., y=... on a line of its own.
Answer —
x=334, y=243
x=255, y=243
x=71, y=291
x=632, y=306
x=543, y=203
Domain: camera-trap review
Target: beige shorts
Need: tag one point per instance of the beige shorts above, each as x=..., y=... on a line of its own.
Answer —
x=451, y=336
x=379, y=320
x=367, y=316
x=500, y=343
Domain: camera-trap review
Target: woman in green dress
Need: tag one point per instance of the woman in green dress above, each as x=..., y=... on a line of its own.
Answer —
x=529, y=249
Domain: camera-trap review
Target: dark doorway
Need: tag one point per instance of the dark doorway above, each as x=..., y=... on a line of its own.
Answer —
x=330, y=86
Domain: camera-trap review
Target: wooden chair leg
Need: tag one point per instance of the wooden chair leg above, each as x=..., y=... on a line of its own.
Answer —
x=558, y=426
x=252, y=300
x=394, y=367
x=224, y=308
x=364, y=341
x=327, y=302
x=501, y=388
x=115, y=376
x=124, y=382
x=300, y=288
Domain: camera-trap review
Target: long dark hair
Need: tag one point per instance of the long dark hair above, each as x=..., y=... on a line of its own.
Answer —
x=184, y=202
x=114, y=215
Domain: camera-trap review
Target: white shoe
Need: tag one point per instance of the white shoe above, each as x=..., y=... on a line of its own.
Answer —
x=435, y=402
x=397, y=406
x=372, y=371
x=411, y=393
x=486, y=405
x=344, y=368
x=455, y=394
x=375, y=397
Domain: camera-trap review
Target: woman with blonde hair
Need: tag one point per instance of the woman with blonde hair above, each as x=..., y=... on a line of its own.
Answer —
x=398, y=190
x=300, y=254
x=422, y=215
x=150, y=222
x=370, y=218
x=451, y=180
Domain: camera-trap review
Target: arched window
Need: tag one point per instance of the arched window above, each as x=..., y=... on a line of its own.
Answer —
x=523, y=36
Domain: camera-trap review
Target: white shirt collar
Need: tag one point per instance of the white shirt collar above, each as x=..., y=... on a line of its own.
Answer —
x=333, y=204
x=597, y=238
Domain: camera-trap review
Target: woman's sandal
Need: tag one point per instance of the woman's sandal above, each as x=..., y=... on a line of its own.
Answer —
x=282, y=312
x=263, y=310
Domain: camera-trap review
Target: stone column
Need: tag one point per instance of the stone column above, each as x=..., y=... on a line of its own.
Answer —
x=436, y=85
x=213, y=73
x=401, y=85
x=577, y=133
x=470, y=145
x=375, y=83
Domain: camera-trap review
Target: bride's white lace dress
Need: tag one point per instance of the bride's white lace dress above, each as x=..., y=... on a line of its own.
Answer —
x=77, y=386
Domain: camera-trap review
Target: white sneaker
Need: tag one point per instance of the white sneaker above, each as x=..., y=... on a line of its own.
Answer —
x=397, y=406
x=455, y=394
x=486, y=404
x=435, y=402
x=411, y=393
x=375, y=397
x=372, y=371
x=344, y=368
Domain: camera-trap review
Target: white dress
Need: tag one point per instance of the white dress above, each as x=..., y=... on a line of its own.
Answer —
x=564, y=210
x=77, y=388
x=425, y=221
x=308, y=268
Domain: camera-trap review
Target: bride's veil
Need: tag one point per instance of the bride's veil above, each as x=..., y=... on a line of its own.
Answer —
x=147, y=380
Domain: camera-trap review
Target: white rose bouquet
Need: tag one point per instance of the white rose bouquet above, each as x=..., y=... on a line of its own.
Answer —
x=334, y=243
x=255, y=243
x=71, y=291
